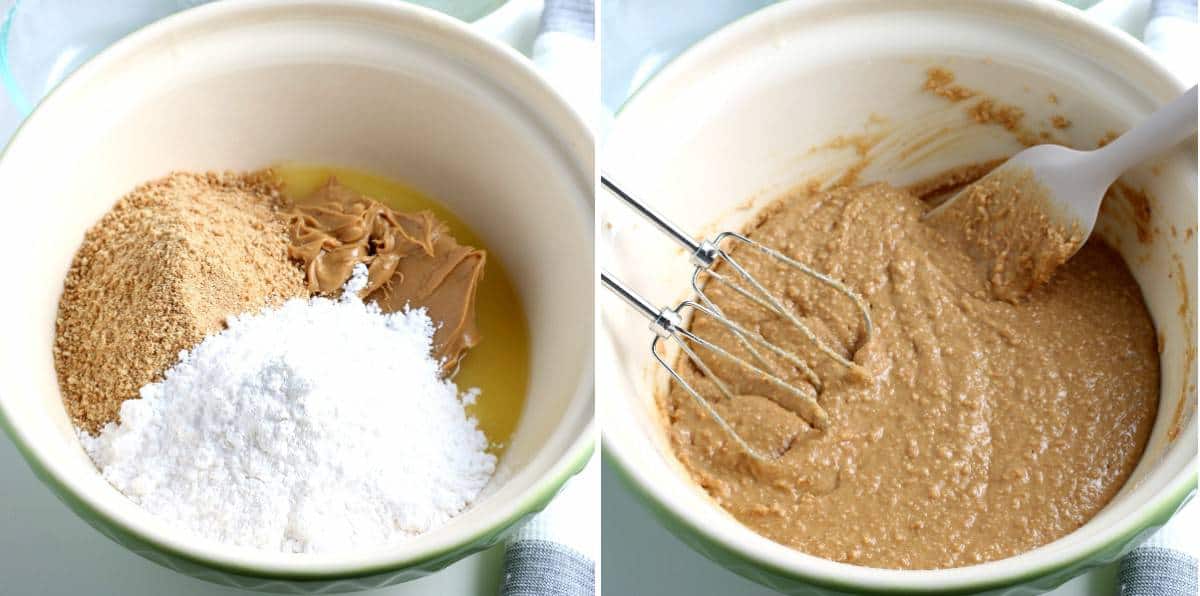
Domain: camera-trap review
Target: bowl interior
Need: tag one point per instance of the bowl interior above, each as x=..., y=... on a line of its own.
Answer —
x=392, y=90
x=734, y=122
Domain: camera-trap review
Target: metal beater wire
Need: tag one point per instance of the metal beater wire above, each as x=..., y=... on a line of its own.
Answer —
x=667, y=322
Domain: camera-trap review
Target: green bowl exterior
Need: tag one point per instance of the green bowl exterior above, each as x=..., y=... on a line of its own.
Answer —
x=349, y=581
x=788, y=582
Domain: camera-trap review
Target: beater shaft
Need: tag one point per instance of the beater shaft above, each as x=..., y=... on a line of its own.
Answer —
x=703, y=254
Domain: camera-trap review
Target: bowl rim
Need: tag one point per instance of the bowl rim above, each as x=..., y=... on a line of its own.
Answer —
x=810, y=569
x=21, y=100
x=526, y=83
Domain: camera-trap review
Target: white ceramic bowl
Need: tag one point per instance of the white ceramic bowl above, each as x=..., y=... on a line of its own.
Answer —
x=380, y=86
x=729, y=125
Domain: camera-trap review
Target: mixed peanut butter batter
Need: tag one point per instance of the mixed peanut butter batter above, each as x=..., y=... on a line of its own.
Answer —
x=986, y=424
x=1006, y=223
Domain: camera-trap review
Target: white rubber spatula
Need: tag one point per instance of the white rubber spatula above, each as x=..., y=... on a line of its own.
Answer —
x=1063, y=187
x=1077, y=180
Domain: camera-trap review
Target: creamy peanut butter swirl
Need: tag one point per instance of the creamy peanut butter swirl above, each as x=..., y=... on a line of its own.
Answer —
x=411, y=258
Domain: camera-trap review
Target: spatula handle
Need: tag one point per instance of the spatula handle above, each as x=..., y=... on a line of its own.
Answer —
x=1164, y=129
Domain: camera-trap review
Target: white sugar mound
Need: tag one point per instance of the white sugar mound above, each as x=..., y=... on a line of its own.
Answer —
x=315, y=427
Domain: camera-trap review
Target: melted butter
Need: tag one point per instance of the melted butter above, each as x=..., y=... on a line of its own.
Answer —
x=499, y=365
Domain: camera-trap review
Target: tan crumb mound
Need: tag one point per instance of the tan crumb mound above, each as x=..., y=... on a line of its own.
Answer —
x=988, y=111
x=162, y=269
x=941, y=82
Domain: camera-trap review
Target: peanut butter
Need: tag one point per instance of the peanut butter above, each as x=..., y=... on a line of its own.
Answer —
x=411, y=258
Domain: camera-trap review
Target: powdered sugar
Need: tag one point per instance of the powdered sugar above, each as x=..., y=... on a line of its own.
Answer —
x=318, y=426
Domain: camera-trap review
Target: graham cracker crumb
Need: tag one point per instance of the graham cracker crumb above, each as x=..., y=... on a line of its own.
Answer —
x=988, y=111
x=162, y=269
x=941, y=82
